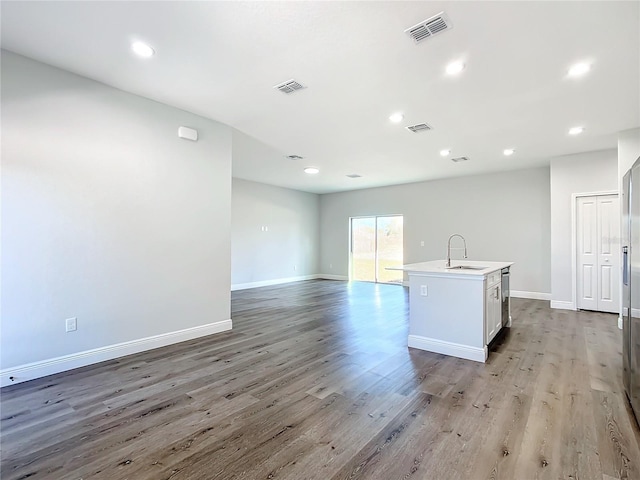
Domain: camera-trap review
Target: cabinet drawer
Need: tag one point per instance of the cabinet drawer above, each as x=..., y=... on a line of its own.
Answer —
x=494, y=278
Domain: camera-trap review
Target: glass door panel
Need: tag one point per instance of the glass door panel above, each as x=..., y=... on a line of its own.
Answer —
x=376, y=243
x=389, y=249
x=363, y=249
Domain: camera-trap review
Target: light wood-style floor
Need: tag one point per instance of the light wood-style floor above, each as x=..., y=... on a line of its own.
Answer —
x=316, y=382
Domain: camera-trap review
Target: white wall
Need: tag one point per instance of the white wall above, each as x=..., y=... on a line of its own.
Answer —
x=107, y=216
x=274, y=234
x=503, y=216
x=573, y=174
x=628, y=150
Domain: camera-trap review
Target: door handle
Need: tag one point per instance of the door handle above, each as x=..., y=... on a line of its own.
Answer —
x=625, y=271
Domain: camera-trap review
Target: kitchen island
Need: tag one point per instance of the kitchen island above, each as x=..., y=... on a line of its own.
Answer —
x=457, y=310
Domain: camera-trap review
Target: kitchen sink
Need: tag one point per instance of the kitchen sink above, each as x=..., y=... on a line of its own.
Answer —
x=465, y=267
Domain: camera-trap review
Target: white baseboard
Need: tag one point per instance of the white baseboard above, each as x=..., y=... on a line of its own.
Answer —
x=276, y=281
x=280, y=281
x=448, y=348
x=328, y=276
x=43, y=368
x=530, y=295
x=562, y=305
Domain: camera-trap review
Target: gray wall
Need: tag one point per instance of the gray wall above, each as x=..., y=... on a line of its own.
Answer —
x=274, y=234
x=503, y=216
x=581, y=173
x=107, y=215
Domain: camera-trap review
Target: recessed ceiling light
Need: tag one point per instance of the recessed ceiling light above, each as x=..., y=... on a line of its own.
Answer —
x=311, y=170
x=396, y=117
x=576, y=130
x=445, y=152
x=508, y=151
x=142, y=49
x=579, y=69
x=454, y=68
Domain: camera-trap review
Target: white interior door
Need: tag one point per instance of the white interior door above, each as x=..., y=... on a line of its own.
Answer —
x=597, y=235
x=608, y=253
x=586, y=234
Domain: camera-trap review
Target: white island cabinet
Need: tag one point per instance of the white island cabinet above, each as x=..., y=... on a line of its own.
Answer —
x=456, y=311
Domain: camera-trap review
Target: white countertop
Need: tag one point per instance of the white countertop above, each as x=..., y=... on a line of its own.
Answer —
x=438, y=267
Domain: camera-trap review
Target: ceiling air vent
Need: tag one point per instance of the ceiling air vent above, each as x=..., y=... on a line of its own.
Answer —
x=459, y=159
x=294, y=157
x=420, y=127
x=429, y=27
x=289, y=86
x=354, y=175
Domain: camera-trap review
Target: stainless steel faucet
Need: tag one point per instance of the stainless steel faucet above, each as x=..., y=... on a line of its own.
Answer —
x=449, y=247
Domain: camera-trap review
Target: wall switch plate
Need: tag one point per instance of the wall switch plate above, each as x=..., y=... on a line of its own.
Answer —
x=71, y=324
x=423, y=291
x=422, y=243
x=295, y=267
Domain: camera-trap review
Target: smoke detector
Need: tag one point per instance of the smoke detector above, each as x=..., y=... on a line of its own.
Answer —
x=420, y=127
x=460, y=159
x=429, y=27
x=289, y=86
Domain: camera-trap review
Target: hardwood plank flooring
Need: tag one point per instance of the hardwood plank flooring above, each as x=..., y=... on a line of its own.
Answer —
x=316, y=382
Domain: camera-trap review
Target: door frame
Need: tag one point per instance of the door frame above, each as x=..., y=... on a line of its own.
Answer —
x=375, y=262
x=574, y=242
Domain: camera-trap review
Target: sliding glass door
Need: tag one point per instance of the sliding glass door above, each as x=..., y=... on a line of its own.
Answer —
x=376, y=243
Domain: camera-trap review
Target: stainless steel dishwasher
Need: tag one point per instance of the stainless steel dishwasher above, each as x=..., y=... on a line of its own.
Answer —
x=506, y=299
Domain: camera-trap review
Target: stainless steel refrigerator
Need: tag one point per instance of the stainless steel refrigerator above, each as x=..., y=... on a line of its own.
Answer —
x=631, y=285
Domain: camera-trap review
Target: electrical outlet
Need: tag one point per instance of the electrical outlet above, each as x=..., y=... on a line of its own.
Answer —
x=423, y=291
x=71, y=324
x=331, y=266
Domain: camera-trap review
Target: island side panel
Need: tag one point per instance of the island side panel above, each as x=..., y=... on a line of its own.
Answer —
x=450, y=317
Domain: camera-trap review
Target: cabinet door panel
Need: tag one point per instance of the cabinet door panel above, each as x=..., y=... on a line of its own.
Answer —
x=493, y=312
x=488, y=315
x=498, y=309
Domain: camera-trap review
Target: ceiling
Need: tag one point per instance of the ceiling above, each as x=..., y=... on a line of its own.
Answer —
x=221, y=60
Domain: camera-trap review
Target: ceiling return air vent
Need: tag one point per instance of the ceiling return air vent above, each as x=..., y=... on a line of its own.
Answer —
x=420, y=127
x=429, y=27
x=460, y=159
x=354, y=175
x=289, y=86
x=294, y=157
